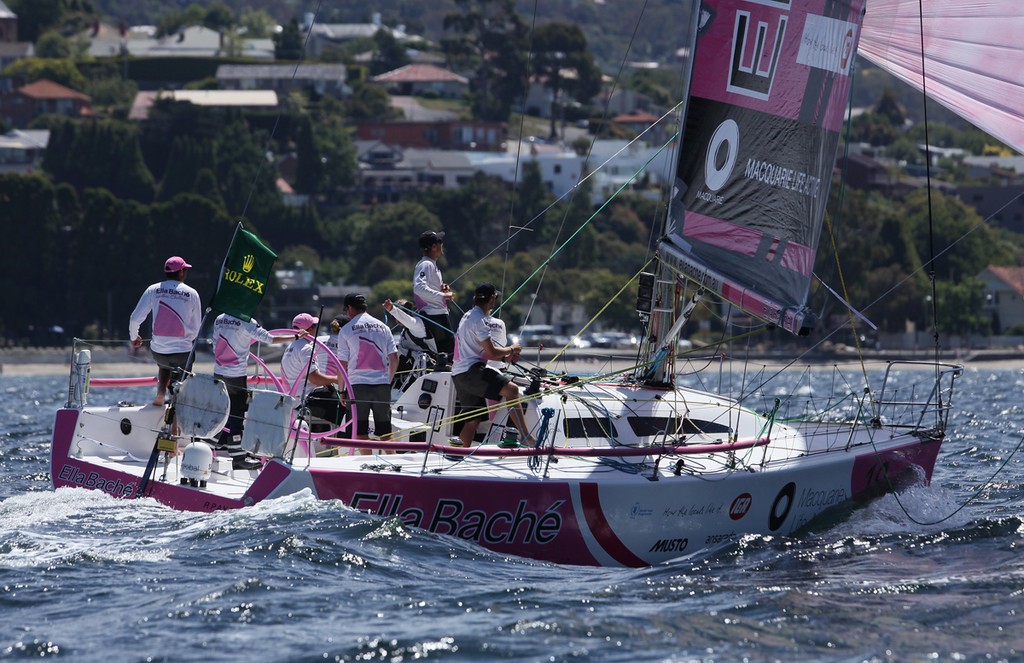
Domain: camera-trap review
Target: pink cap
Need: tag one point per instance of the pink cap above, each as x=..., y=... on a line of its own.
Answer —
x=176, y=264
x=304, y=321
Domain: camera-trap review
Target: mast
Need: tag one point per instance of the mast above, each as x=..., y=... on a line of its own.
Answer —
x=659, y=292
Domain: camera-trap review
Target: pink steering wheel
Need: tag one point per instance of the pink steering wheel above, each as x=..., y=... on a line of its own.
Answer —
x=332, y=363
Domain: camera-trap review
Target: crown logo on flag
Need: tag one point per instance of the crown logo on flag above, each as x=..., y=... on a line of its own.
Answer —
x=248, y=263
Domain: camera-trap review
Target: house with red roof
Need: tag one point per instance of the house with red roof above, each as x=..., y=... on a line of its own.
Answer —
x=43, y=97
x=640, y=122
x=1004, y=297
x=415, y=79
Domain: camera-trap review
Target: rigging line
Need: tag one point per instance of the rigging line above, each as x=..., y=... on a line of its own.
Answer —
x=277, y=120
x=540, y=214
x=519, y=152
x=928, y=182
x=575, y=189
x=585, y=224
x=846, y=296
x=598, y=314
x=835, y=247
x=895, y=287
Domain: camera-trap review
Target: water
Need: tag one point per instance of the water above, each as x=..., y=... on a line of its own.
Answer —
x=89, y=578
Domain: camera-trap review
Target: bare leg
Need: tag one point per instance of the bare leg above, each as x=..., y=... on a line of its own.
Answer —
x=468, y=432
x=163, y=378
x=515, y=412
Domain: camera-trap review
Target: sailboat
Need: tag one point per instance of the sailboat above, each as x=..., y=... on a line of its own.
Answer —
x=630, y=469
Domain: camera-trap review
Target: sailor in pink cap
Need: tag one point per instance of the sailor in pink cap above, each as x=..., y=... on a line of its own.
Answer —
x=177, y=315
x=297, y=364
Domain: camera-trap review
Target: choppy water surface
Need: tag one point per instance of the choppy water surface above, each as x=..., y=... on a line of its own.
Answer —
x=87, y=577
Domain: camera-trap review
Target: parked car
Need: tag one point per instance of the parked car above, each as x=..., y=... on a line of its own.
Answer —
x=614, y=339
x=532, y=336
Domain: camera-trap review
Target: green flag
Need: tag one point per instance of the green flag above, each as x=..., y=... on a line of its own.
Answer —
x=244, y=279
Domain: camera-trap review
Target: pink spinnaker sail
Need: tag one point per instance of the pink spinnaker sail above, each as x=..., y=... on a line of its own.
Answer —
x=973, y=58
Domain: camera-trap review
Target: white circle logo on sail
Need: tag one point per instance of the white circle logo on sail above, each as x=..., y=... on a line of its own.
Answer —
x=727, y=137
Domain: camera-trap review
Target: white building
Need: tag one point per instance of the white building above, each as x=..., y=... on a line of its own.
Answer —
x=1004, y=296
x=193, y=41
x=619, y=163
x=21, y=150
x=408, y=168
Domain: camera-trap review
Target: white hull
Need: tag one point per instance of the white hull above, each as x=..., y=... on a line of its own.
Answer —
x=580, y=499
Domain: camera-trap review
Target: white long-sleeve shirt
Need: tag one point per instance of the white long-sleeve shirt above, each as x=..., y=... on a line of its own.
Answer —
x=426, y=287
x=409, y=321
x=231, y=340
x=177, y=315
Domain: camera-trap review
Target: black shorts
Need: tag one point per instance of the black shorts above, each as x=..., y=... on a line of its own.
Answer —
x=478, y=385
x=374, y=398
x=172, y=361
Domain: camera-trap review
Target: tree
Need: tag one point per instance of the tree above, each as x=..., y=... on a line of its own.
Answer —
x=36, y=16
x=337, y=154
x=310, y=172
x=52, y=44
x=187, y=159
x=958, y=306
x=563, y=63
x=952, y=223
x=369, y=101
x=476, y=217
x=114, y=94
x=88, y=153
x=257, y=23
x=388, y=54
x=288, y=42
x=31, y=270
x=491, y=39
x=902, y=150
x=249, y=187
x=532, y=198
x=600, y=292
x=173, y=21
x=889, y=107
x=389, y=230
x=61, y=71
x=662, y=85
x=219, y=17
x=873, y=129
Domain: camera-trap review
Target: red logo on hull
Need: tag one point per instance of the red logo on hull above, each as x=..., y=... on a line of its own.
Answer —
x=740, y=506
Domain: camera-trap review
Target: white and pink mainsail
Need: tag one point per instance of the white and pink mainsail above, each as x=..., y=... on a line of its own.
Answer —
x=768, y=92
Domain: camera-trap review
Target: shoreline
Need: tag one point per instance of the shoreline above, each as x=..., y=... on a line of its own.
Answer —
x=574, y=365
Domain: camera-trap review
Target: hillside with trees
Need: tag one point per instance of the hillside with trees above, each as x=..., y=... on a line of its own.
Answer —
x=116, y=197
